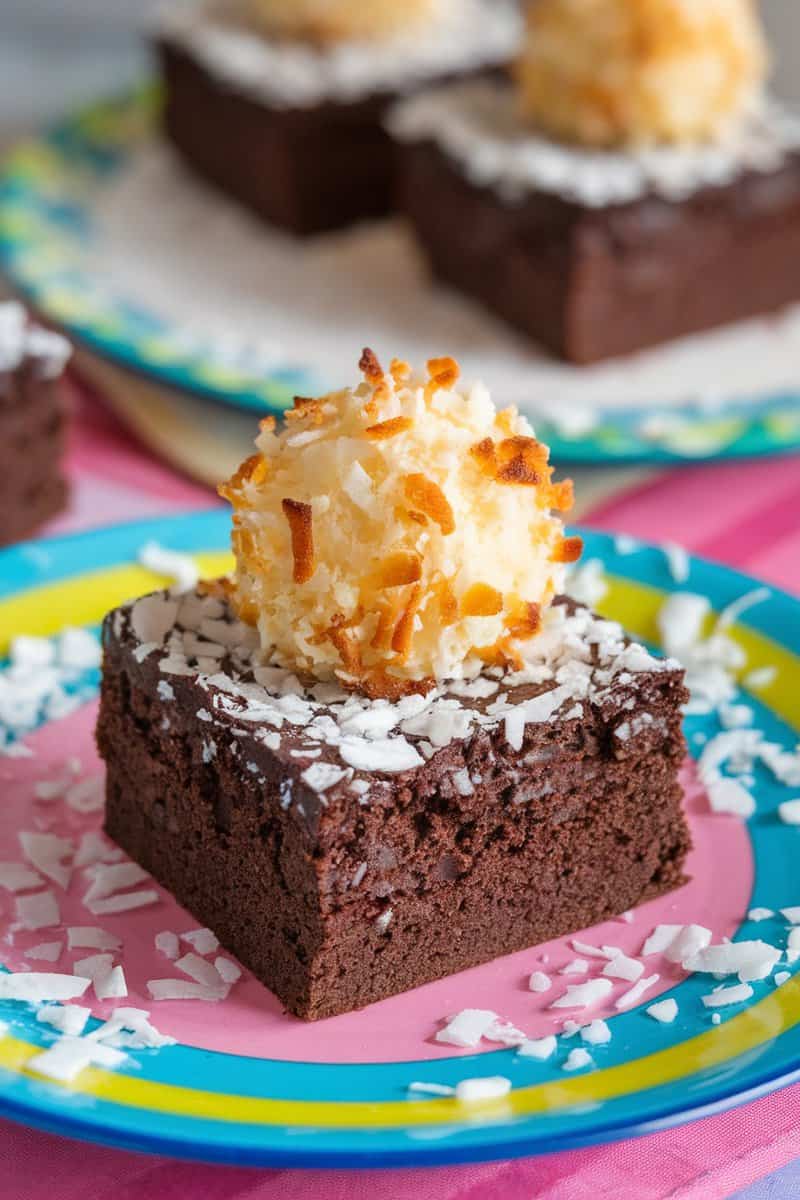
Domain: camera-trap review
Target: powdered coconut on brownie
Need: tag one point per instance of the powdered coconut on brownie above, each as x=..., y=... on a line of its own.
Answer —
x=388, y=749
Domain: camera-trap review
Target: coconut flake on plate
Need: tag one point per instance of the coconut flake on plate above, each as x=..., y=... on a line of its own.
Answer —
x=583, y=995
x=490, y=1087
x=750, y=960
x=729, y=796
x=66, y=1018
x=37, y=910
x=467, y=1027
x=596, y=1033
x=36, y=987
x=91, y=937
x=200, y=970
x=737, y=993
x=539, y=982
x=760, y=678
x=634, y=994
x=183, y=989
x=203, y=941
x=760, y=914
x=577, y=1059
x=112, y=985
x=663, y=1011
x=45, y=952
x=578, y=966
x=690, y=940
x=168, y=944
x=624, y=967
x=16, y=877
x=94, y=966
x=584, y=949
x=678, y=562
x=661, y=937
x=117, y=877
x=45, y=852
x=124, y=902
x=789, y=812
x=228, y=971
x=431, y=1089
x=538, y=1048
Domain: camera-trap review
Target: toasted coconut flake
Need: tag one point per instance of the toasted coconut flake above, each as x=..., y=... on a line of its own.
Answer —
x=378, y=684
x=301, y=529
x=308, y=408
x=398, y=570
x=481, y=600
x=370, y=366
x=400, y=371
x=569, y=550
x=404, y=630
x=417, y=517
x=347, y=646
x=484, y=454
x=501, y=654
x=444, y=374
x=223, y=587
x=448, y=604
x=232, y=490
x=388, y=618
x=429, y=498
x=522, y=460
x=563, y=495
x=267, y=424
x=524, y=621
x=388, y=429
x=514, y=460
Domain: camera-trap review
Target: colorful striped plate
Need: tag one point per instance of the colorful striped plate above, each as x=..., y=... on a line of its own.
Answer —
x=247, y=1084
x=121, y=296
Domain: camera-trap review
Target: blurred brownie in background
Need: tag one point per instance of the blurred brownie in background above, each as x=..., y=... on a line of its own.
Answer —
x=635, y=184
x=32, y=423
x=280, y=105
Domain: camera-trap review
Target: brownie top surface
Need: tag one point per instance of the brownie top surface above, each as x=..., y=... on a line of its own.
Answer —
x=193, y=651
x=284, y=74
x=476, y=123
x=23, y=344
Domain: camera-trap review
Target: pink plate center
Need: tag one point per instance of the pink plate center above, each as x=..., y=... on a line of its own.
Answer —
x=252, y=1022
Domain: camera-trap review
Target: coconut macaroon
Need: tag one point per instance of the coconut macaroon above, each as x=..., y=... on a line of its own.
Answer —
x=325, y=21
x=398, y=533
x=615, y=72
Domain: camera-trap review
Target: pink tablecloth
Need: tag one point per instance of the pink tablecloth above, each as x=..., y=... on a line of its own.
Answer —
x=742, y=514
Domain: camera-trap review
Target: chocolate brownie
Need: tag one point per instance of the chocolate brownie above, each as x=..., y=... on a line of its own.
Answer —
x=300, y=140
x=589, y=280
x=32, y=424
x=347, y=849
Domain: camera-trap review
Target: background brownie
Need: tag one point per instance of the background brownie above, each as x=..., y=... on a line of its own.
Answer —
x=305, y=162
x=32, y=424
x=593, y=282
x=339, y=881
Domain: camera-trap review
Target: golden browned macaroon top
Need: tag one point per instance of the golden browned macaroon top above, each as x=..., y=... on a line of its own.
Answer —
x=610, y=73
